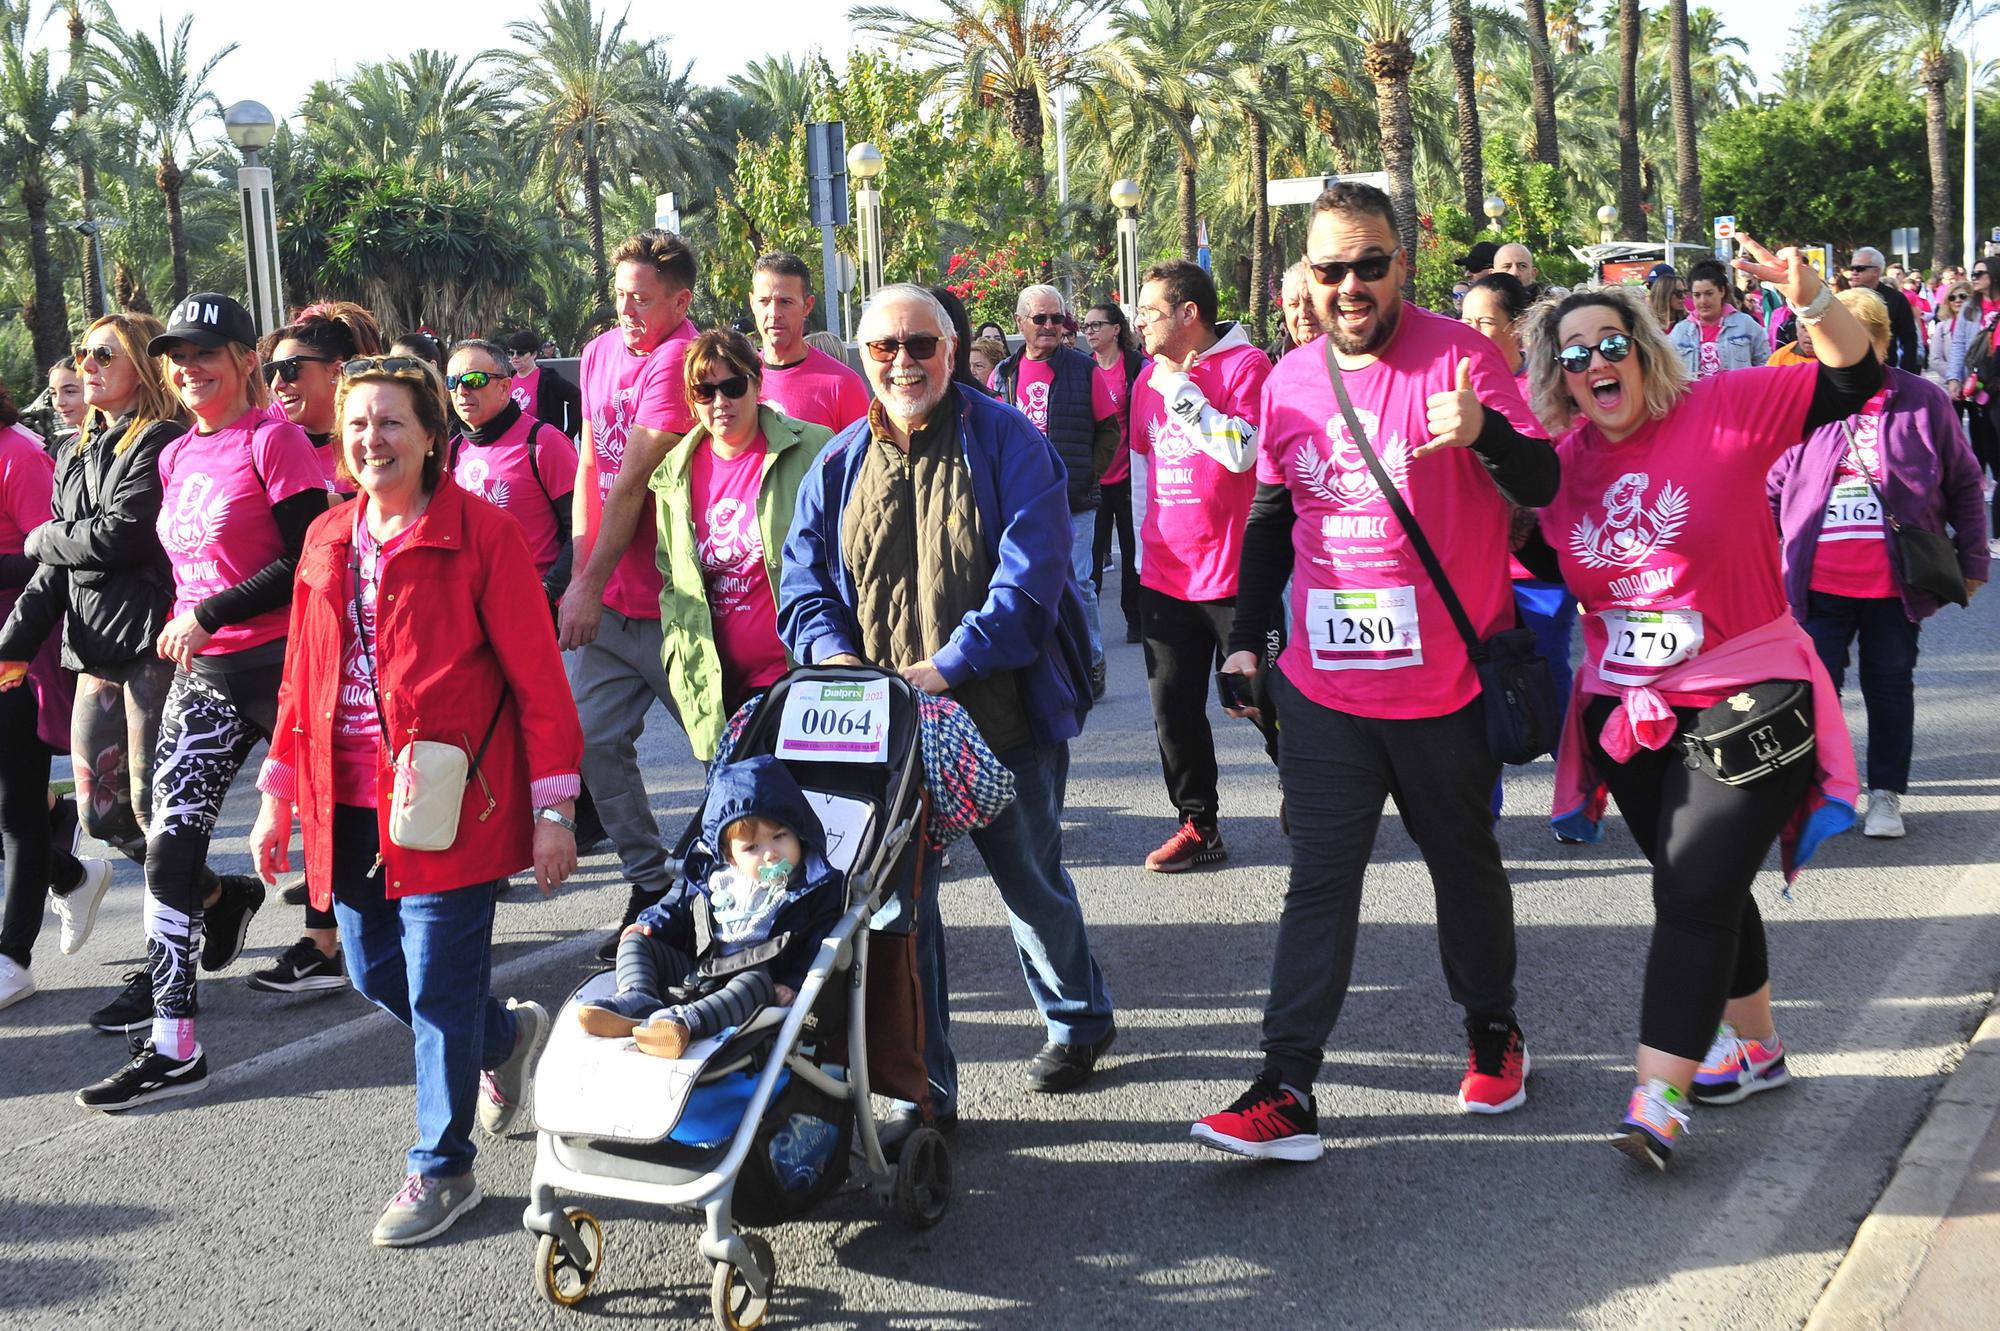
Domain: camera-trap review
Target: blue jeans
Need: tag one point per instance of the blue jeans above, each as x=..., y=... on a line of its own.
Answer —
x=427, y=961
x=1083, y=566
x=1023, y=852
x=1888, y=674
x=1549, y=609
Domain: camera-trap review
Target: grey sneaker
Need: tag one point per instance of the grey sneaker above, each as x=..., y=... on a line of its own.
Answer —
x=1885, y=815
x=424, y=1209
x=504, y=1090
x=76, y=909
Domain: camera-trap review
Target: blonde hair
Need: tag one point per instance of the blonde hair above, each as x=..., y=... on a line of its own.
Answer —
x=155, y=399
x=1873, y=312
x=1661, y=370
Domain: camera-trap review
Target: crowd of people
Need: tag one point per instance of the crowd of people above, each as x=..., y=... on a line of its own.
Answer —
x=446, y=588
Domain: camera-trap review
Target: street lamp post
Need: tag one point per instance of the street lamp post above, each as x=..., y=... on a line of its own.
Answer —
x=251, y=128
x=1607, y=218
x=1125, y=198
x=864, y=163
x=1496, y=208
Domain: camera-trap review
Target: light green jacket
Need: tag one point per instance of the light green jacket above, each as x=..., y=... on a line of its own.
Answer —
x=693, y=666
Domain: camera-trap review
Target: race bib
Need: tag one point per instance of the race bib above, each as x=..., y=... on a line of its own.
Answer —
x=828, y=721
x=1642, y=645
x=1375, y=629
x=1853, y=513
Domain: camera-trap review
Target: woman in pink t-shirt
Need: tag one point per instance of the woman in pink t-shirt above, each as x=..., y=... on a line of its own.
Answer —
x=1120, y=366
x=238, y=492
x=1665, y=537
x=723, y=504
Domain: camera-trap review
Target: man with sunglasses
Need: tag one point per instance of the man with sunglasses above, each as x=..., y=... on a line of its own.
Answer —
x=1376, y=690
x=634, y=410
x=1906, y=348
x=933, y=538
x=1058, y=389
x=519, y=464
x=542, y=394
x=800, y=380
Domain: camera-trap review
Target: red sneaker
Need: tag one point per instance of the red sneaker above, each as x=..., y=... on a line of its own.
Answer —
x=1496, y=1070
x=1266, y=1122
x=1188, y=848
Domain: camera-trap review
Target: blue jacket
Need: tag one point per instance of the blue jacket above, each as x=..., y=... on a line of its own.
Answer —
x=1032, y=620
x=762, y=786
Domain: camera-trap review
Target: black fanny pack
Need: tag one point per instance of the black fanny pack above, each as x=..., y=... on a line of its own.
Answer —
x=1760, y=729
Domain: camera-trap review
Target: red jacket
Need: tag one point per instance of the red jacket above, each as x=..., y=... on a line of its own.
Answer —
x=460, y=615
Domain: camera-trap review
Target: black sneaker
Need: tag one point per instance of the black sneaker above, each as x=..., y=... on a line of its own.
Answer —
x=303, y=969
x=1097, y=682
x=133, y=1008
x=296, y=894
x=148, y=1077
x=65, y=825
x=227, y=922
x=1064, y=1067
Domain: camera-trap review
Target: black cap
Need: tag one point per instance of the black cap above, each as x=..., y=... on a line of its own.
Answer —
x=207, y=319
x=1479, y=258
x=525, y=341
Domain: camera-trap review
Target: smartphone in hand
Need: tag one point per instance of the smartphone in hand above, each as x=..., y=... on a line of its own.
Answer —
x=1234, y=690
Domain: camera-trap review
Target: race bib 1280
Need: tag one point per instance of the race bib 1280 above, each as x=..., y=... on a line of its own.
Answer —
x=1371, y=629
x=839, y=722
x=1642, y=645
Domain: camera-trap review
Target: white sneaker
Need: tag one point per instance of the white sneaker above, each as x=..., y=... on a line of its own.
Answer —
x=77, y=908
x=16, y=982
x=1885, y=814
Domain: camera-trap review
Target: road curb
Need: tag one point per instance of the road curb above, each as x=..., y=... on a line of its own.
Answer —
x=1889, y=1250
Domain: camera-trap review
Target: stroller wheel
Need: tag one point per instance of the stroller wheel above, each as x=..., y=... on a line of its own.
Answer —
x=735, y=1306
x=923, y=1179
x=561, y=1280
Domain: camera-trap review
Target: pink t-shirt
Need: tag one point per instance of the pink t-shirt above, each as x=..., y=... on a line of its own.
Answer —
x=500, y=474
x=1035, y=379
x=621, y=391
x=215, y=514
x=522, y=389
x=357, y=726
x=27, y=484
x=1191, y=538
x=1666, y=536
x=818, y=389
x=1710, y=361
x=1852, y=555
x=1371, y=636
x=729, y=545
x=1113, y=382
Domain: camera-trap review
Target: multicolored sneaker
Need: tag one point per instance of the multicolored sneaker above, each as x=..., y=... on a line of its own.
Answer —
x=1655, y=1121
x=1190, y=847
x=1267, y=1122
x=1736, y=1069
x=1496, y=1068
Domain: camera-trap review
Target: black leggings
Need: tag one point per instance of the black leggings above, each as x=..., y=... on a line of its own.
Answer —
x=24, y=824
x=1706, y=842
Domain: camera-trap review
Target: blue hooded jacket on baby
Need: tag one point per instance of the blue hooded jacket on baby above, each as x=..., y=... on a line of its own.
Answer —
x=760, y=787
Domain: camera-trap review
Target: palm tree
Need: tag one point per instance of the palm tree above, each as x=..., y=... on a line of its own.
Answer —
x=1009, y=54
x=162, y=84
x=1629, y=195
x=1155, y=66
x=32, y=105
x=1257, y=87
x=584, y=88
x=778, y=91
x=82, y=149
x=1687, y=163
x=1465, y=78
x=1537, y=16
x=1905, y=39
x=425, y=110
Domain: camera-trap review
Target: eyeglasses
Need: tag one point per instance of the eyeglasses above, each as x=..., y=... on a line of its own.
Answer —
x=384, y=365
x=1043, y=320
x=1372, y=268
x=1576, y=359
x=102, y=355
x=472, y=379
x=291, y=367
x=1458, y=297
x=921, y=346
x=1092, y=325
x=734, y=387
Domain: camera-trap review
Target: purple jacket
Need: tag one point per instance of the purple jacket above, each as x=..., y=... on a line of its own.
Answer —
x=1930, y=479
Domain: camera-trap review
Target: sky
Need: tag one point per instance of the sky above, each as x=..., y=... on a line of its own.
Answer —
x=279, y=58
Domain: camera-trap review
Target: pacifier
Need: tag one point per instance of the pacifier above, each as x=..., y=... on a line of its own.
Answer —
x=774, y=873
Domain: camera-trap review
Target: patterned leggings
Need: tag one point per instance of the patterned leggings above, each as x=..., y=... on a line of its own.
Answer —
x=647, y=965
x=114, y=730
x=211, y=723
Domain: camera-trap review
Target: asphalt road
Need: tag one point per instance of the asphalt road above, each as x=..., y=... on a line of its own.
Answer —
x=250, y=1205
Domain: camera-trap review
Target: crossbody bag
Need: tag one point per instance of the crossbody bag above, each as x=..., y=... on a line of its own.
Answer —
x=1921, y=558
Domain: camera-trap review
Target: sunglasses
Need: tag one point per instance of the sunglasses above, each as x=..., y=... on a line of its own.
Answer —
x=1371, y=269
x=1979, y=272
x=102, y=355
x=291, y=367
x=473, y=379
x=734, y=387
x=1043, y=320
x=922, y=346
x=384, y=365
x=1862, y=267
x=1577, y=359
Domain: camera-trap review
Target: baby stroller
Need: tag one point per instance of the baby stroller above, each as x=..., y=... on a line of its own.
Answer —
x=758, y=1125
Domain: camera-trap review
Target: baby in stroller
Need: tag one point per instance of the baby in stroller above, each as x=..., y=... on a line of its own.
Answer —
x=756, y=898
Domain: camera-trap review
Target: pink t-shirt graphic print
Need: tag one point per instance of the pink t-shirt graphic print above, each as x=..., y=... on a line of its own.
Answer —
x=621, y=392
x=729, y=545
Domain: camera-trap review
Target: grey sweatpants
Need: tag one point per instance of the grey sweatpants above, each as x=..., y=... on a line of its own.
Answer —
x=615, y=681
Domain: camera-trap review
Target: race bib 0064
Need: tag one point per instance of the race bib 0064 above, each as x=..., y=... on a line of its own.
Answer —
x=836, y=721
x=1642, y=645
x=1371, y=629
